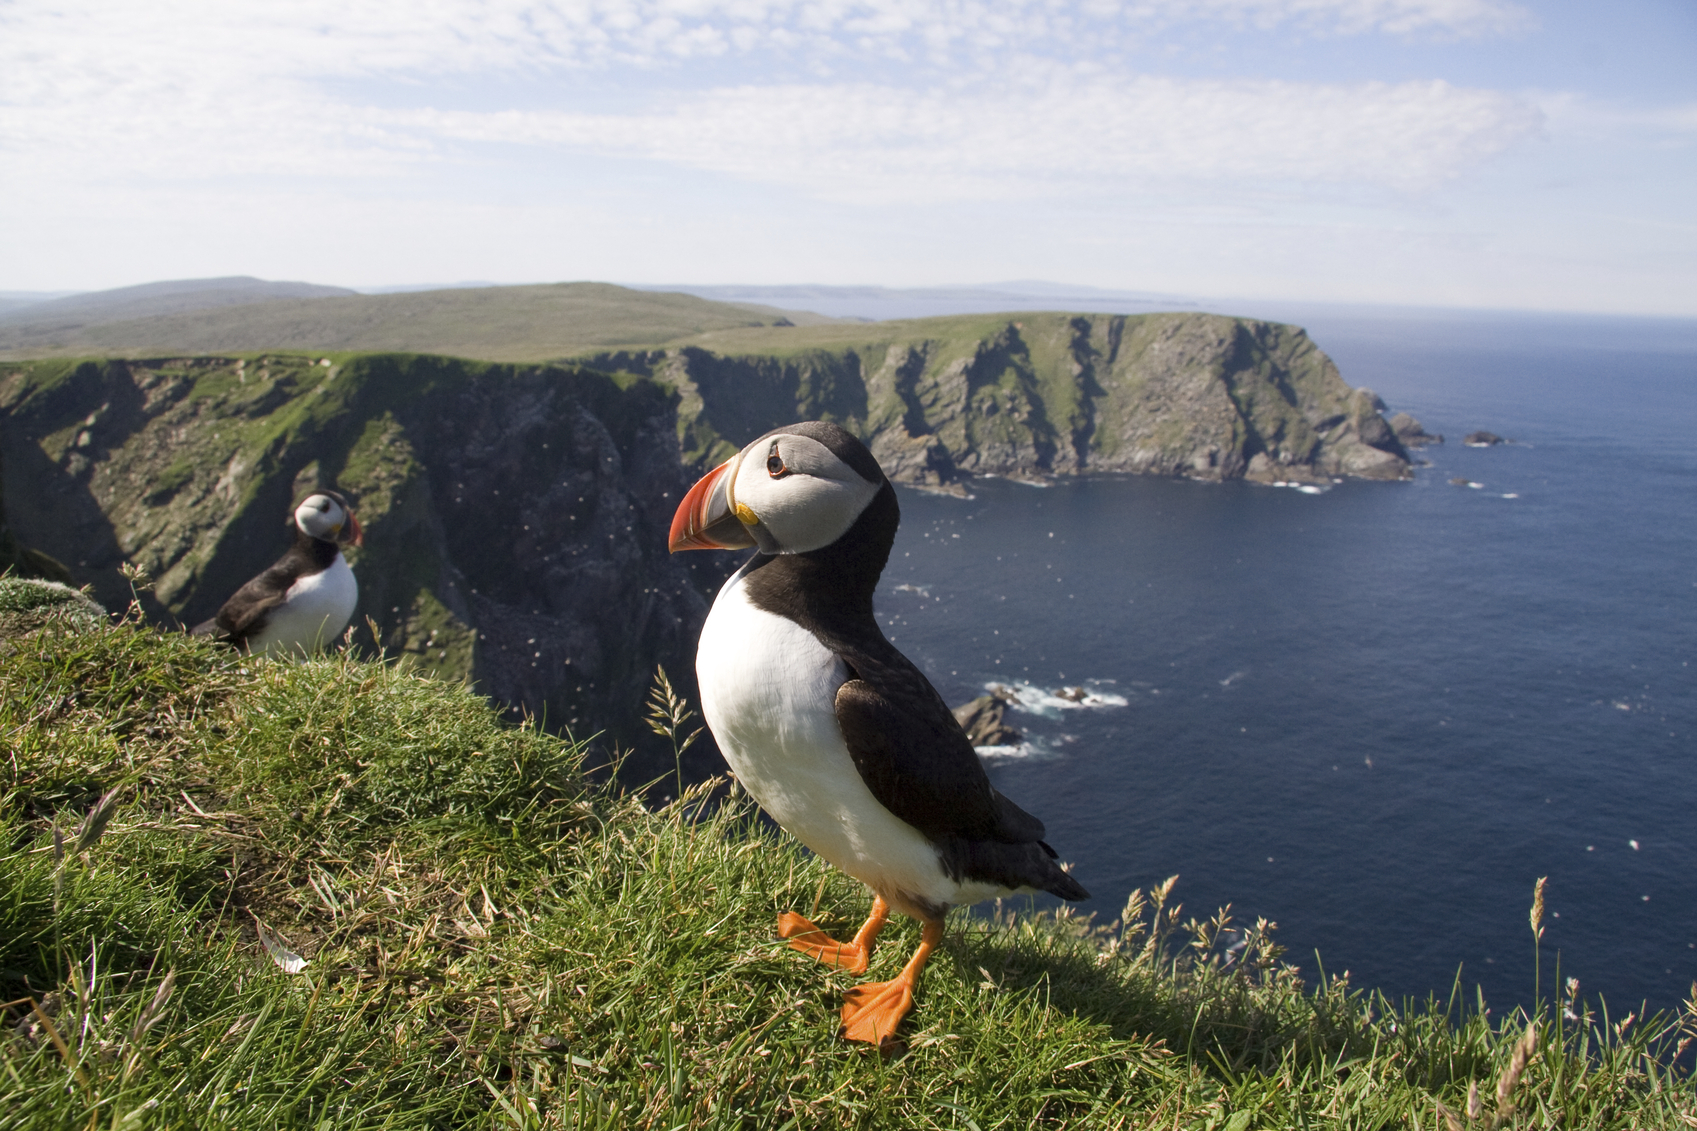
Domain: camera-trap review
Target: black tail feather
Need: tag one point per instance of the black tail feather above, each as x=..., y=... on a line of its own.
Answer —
x=1014, y=866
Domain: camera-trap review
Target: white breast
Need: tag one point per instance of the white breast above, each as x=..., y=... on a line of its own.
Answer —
x=313, y=613
x=768, y=692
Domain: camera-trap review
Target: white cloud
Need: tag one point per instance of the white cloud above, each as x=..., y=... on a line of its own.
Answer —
x=1347, y=17
x=188, y=89
x=873, y=144
x=184, y=41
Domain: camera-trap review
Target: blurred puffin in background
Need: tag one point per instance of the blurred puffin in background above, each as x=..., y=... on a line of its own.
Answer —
x=832, y=731
x=303, y=601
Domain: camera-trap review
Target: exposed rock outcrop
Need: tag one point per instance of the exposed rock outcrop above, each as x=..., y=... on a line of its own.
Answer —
x=515, y=518
x=982, y=720
x=1482, y=440
x=1412, y=433
x=940, y=400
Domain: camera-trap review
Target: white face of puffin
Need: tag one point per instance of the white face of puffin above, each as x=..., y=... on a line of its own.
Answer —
x=785, y=493
x=324, y=517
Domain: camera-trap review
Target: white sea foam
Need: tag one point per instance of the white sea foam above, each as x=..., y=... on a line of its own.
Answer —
x=1040, y=701
x=1035, y=749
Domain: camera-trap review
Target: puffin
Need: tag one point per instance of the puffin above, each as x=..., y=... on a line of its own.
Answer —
x=831, y=730
x=305, y=599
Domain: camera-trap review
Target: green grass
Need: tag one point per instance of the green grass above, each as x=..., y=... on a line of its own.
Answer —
x=492, y=941
x=520, y=323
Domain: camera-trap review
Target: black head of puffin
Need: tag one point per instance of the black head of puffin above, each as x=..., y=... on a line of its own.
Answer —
x=797, y=488
x=326, y=515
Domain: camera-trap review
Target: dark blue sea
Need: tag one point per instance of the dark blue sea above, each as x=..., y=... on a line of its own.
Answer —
x=1378, y=714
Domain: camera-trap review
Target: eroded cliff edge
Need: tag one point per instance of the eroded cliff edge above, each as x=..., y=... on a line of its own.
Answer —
x=1036, y=395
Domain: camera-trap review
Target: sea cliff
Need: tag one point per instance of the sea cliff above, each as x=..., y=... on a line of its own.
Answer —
x=940, y=400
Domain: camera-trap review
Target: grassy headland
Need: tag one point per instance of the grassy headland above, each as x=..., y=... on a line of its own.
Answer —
x=491, y=941
x=526, y=323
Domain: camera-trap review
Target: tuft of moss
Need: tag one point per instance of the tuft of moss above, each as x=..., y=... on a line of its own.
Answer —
x=490, y=941
x=28, y=604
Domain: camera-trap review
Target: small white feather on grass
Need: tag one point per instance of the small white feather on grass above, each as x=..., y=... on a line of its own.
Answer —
x=288, y=960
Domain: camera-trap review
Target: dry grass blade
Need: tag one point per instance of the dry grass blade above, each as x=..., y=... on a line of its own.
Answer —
x=1452, y=1121
x=1506, y=1083
x=668, y=711
x=1687, y=1023
x=52, y=1032
x=95, y=823
x=155, y=1009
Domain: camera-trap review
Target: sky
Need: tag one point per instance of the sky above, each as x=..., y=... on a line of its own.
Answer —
x=1463, y=153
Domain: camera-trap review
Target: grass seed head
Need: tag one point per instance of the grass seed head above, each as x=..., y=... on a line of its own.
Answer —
x=155, y=1009
x=1523, y=1050
x=95, y=823
x=1537, y=915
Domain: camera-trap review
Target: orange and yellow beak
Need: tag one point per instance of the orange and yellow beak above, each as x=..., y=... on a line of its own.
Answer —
x=356, y=536
x=707, y=519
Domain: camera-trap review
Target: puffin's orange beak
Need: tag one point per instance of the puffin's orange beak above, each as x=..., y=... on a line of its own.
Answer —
x=705, y=520
x=356, y=536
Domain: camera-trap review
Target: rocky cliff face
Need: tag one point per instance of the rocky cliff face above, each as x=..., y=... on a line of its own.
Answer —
x=19, y=561
x=515, y=517
x=942, y=399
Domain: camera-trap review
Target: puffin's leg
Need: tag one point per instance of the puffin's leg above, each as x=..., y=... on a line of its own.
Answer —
x=872, y=1012
x=850, y=956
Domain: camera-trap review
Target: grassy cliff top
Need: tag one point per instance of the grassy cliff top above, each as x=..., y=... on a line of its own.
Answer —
x=733, y=340
x=492, y=941
x=528, y=323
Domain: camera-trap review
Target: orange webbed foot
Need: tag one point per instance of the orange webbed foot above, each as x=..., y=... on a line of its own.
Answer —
x=805, y=937
x=872, y=1012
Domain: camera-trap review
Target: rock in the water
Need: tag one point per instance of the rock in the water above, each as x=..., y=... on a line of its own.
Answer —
x=1482, y=439
x=981, y=719
x=1458, y=481
x=1412, y=433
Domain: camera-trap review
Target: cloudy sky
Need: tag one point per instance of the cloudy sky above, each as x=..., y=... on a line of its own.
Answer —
x=1481, y=153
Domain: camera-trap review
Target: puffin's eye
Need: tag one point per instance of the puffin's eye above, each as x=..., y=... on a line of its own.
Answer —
x=775, y=466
